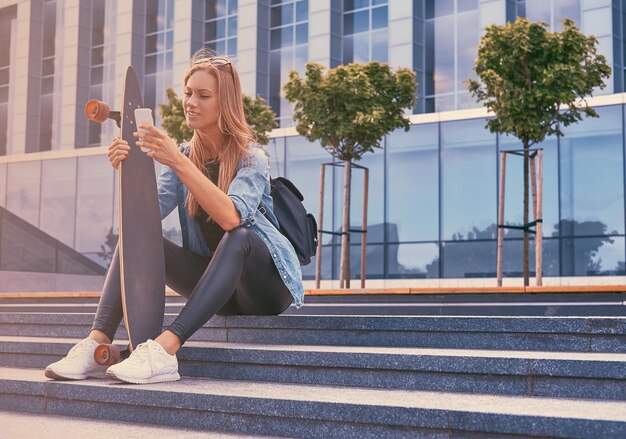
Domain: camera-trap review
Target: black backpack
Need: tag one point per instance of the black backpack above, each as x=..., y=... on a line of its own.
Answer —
x=298, y=226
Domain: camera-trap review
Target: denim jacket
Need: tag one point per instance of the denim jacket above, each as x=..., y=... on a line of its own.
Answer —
x=249, y=188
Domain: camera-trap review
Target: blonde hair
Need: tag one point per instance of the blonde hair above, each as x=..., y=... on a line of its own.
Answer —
x=231, y=122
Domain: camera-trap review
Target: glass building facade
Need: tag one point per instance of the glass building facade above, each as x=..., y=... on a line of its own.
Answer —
x=432, y=204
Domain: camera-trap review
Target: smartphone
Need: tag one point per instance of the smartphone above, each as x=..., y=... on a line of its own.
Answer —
x=143, y=115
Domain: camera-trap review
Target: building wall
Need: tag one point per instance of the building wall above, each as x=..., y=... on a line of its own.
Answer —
x=432, y=190
x=432, y=202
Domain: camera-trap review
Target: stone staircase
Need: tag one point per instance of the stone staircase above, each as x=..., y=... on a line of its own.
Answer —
x=361, y=376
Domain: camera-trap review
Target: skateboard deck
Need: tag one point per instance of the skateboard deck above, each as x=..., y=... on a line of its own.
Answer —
x=140, y=245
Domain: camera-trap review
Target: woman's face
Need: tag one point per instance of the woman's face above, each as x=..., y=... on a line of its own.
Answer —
x=201, y=101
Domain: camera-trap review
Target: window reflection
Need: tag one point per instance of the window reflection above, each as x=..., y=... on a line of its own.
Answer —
x=413, y=183
x=514, y=183
x=413, y=261
x=452, y=36
x=468, y=166
x=23, y=183
x=3, y=184
x=469, y=259
x=94, y=205
x=276, y=150
x=303, y=169
x=58, y=194
x=375, y=162
x=599, y=256
x=592, y=184
x=551, y=12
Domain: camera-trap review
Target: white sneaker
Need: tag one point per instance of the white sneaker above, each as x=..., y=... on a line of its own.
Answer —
x=149, y=363
x=78, y=364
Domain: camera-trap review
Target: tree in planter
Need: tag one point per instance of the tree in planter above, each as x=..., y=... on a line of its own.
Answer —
x=259, y=116
x=349, y=109
x=534, y=81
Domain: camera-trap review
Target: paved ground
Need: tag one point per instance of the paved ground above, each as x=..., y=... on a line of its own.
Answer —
x=27, y=426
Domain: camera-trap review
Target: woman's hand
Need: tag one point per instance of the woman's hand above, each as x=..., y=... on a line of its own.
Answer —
x=161, y=147
x=118, y=151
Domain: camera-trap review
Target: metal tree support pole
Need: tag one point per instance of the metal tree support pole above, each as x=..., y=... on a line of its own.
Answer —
x=366, y=179
x=318, y=256
x=500, y=217
x=539, y=219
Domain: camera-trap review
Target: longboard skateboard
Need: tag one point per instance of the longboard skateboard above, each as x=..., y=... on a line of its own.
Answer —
x=140, y=245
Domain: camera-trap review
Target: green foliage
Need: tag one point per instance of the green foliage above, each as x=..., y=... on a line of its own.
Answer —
x=351, y=107
x=533, y=79
x=173, y=118
x=259, y=117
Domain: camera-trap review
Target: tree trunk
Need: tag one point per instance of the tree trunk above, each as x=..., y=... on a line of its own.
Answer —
x=525, y=252
x=344, y=271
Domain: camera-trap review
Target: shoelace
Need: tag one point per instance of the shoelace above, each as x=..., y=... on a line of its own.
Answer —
x=141, y=355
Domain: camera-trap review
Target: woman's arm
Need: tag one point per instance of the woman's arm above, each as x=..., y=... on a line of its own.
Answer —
x=216, y=203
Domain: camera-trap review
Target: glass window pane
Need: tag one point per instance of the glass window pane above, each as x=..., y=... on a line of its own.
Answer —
x=348, y=24
x=58, y=199
x=469, y=259
x=94, y=203
x=375, y=162
x=413, y=261
x=592, y=180
x=221, y=8
x=444, y=56
x=514, y=194
x=232, y=26
x=232, y=7
x=443, y=7
x=468, y=166
x=211, y=9
x=302, y=33
x=23, y=185
x=302, y=10
x=361, y=21
x=566, y=9
x=538, y=10
x=276, y=150
x=286, y=36
x=361, y=50
x=275, y=16
x=413, y=186
x=379, y=45
x=379, y=18
x=24, y=248
x=599, y=256
x=466, y=5
x=467, y=41
x=275, y=39
x=303, y=169
x=287, y=13
x=3, y=184
x=512, y=257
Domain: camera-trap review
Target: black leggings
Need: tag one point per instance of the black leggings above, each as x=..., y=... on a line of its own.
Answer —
x=240, y=278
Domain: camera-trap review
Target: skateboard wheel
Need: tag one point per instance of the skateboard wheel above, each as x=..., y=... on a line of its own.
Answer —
x=96, y=111
x=107, y=355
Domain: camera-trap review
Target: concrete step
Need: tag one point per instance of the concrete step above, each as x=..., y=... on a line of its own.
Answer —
x=30, y=426
x=295, y=410
x=552, y=374
x=569, y=334
x=537, y=304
